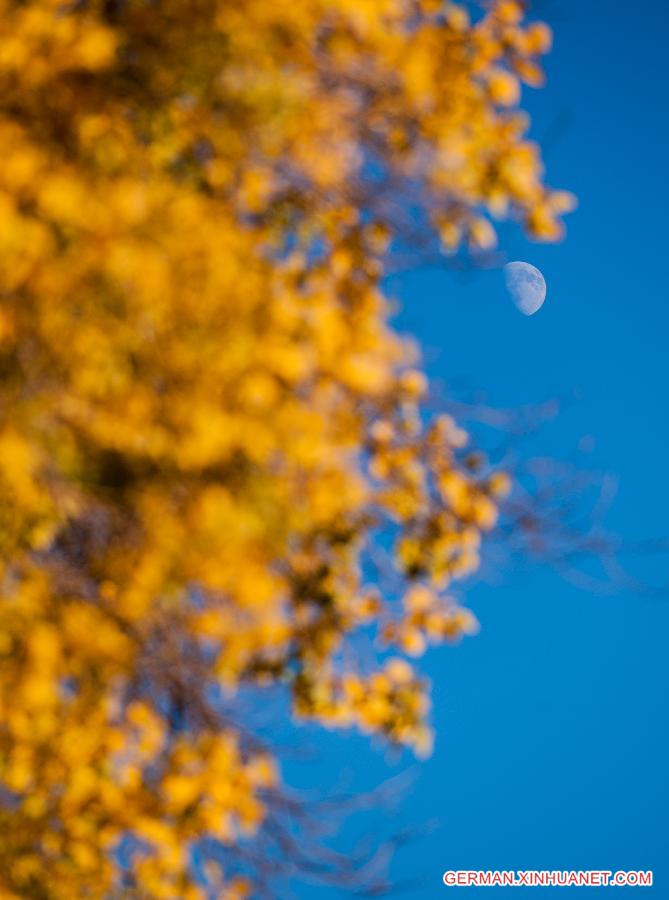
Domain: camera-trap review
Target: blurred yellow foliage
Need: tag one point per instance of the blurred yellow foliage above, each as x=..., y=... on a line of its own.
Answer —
x=205, y=415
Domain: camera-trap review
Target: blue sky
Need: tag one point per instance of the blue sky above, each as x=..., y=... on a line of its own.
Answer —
x=553, y=724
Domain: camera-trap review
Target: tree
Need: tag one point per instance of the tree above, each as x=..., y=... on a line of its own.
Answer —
x=208, y=424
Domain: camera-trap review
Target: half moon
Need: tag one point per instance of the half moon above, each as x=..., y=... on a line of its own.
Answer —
x=526, y=285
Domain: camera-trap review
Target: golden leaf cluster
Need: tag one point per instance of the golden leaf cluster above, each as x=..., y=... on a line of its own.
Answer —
x=206, y=417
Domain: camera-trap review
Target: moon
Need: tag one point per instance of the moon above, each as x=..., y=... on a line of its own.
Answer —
x=526, y=285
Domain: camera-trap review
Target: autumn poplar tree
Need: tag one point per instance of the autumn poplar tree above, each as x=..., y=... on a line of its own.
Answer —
x=207, y=420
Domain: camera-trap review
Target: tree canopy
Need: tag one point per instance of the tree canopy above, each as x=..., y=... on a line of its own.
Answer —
x=209, y=428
